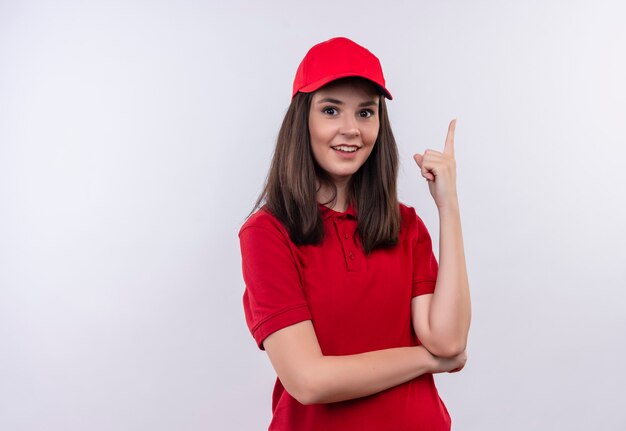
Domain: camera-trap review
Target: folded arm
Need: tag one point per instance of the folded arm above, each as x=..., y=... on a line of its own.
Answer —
x=312, y=378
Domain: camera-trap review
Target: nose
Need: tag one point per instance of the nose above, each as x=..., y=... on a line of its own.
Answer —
x=349, y=126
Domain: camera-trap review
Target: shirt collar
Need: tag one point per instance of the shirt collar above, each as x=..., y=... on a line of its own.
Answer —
x=327, y=213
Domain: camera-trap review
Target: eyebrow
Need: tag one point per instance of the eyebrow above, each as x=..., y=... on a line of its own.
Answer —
x=339, y=102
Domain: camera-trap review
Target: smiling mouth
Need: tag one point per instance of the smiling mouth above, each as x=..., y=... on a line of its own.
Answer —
x=345, y=148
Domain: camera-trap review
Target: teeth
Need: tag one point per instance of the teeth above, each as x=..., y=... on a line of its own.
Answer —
x=345, y=149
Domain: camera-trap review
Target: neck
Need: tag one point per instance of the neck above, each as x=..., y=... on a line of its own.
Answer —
x=325, y=193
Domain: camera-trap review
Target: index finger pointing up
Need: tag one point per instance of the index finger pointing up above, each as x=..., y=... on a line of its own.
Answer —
x=449, y=146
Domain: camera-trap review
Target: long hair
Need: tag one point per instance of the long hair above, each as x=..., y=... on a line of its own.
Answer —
x=290, y=187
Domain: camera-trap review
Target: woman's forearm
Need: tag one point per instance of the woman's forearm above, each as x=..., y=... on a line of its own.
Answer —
x=450, y=309
x=339, y=378
x=313, y=378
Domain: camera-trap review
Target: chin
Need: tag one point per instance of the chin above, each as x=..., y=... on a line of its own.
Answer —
x=341, y=176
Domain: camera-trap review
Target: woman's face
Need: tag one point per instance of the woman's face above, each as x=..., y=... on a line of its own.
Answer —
x=343, y=125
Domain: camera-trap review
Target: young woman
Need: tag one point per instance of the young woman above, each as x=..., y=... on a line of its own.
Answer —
x=343, y=290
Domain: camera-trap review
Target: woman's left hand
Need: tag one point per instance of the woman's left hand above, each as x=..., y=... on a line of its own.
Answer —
x=440, y=171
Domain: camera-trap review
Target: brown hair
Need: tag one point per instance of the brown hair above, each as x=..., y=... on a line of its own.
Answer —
x=290, y=186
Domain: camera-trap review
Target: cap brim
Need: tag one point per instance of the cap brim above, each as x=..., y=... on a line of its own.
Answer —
x=327, y=79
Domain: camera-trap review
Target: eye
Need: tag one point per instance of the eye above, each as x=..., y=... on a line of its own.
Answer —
x=330, y=110
x=366, y=113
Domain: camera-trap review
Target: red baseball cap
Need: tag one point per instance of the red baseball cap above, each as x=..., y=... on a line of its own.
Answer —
x=336, y=58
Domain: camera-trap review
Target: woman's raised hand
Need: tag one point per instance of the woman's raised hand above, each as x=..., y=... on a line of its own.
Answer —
x=440, y=171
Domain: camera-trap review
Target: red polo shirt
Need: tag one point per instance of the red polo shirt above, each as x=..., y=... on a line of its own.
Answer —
x=357, y=303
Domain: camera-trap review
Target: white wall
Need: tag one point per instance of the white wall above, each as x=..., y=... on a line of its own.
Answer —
x=135, y=137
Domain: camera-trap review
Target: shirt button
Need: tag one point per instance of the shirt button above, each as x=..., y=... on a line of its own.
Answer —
x=351, y=255
x=345, y=235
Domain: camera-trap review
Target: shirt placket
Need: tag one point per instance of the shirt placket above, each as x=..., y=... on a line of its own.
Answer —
x=353, y=256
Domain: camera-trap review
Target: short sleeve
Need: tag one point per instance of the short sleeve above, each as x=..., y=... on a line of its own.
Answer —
x=425, y=266
x=273, y=296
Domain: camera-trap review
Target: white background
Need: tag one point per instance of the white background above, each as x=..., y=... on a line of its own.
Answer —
x=135, y=137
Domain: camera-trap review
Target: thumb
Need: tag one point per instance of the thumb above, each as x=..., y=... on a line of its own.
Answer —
x=418, y=159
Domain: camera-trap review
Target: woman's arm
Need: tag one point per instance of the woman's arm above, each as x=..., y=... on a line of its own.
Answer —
x=441, y=320
x=312, y=378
